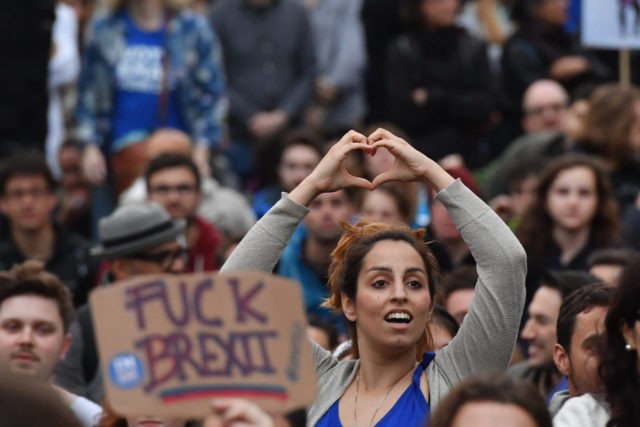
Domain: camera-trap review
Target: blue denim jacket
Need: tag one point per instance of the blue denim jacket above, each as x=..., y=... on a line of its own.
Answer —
x=195, y=68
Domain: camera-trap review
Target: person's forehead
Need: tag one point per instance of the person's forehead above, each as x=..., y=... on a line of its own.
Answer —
x=590, y=320
x=546, y=300
x=296, y=151
x=545, y=94
x=30, y=308
x=173, y=174
x=26, y=180
x=340, y=195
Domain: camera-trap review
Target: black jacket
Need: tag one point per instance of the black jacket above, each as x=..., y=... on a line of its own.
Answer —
x=453, y=67
x=71, y=262
x=529, y=53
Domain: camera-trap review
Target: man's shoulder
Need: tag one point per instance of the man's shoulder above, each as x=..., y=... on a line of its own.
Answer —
x=9, y=253
x=71, y=247
x=523, y=370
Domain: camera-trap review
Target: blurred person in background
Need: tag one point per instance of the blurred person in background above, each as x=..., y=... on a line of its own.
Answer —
x=542, y=48
x=616, y=404
x=572, y=215
x=439, y=84
x=492, y=400
x=147, y=64
x=339, y=96
x=270, y=62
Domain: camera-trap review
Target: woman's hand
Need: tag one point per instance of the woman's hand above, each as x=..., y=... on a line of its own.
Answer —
x=237, y=413
x=330, y=174
x=410, y=164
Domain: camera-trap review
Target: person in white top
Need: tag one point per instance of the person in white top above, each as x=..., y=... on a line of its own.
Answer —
x=617, y=403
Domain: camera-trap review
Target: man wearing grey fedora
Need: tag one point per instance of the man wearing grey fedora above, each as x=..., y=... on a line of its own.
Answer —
x=136, y=239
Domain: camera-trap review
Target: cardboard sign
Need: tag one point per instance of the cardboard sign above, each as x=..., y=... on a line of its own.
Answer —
x=170, y=343
x=613, y=24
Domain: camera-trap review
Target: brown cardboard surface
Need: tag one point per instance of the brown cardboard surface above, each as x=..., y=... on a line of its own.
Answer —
x=170, y=343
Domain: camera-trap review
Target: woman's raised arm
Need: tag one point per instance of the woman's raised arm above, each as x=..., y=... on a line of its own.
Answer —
x=262, y=246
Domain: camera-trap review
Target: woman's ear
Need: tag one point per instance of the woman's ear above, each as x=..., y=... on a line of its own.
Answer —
x=629, y=334
x=348, y=307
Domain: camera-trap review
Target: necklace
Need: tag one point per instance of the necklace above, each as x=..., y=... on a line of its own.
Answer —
x=386, y=394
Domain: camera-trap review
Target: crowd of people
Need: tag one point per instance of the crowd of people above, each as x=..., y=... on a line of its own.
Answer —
x=454, y=184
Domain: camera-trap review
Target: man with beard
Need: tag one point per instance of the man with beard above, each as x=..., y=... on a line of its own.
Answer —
x=539, y=332
x=174, y=182
x=579, y=329
x=307, y=256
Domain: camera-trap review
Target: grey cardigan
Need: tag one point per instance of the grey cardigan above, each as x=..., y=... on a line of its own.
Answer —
x=487, y=336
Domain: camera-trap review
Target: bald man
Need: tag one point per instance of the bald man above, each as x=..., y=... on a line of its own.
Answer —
x=544, y=107
x=225, y=208
x=546, y=121
x=168, y=141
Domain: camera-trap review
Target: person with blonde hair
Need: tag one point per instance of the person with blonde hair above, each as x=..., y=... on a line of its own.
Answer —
x=381, y=279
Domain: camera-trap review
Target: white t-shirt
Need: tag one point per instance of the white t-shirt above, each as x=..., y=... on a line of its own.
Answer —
x=582, y=411
x=86, y=411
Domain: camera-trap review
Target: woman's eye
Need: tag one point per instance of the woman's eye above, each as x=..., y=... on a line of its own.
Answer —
x=379, y=283
x=415, y=284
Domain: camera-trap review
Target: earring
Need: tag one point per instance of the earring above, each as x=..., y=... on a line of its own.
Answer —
x=628, y=347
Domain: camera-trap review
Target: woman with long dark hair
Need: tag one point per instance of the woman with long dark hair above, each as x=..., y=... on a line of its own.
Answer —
x=573, y=214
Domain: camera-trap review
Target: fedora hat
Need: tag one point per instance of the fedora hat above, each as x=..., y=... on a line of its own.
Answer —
x=134, y=228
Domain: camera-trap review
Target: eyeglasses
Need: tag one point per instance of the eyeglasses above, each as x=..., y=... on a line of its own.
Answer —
x=34, y=193
x=164, y=258
x=539, y=111
x=181, y=189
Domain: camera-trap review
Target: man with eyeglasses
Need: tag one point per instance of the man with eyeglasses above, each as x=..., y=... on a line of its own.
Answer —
x=28, y=200
x=136, y=239
x=549, y=125
x=545, y=105
x=174, y=182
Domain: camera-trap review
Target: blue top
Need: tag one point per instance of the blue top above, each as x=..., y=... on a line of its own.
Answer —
x=563, y=385
x=139, y=76
x=293, y=266
x=195, y=74
x=410, y=410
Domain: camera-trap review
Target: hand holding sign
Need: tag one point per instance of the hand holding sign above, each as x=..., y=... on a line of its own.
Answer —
x=168, y=344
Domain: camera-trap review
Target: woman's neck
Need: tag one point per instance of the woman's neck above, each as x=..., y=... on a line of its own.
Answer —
x=148, y=14
x=378, y=372
x=571, y=242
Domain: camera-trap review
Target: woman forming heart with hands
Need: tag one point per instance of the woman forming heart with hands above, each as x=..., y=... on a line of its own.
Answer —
x=381, y=279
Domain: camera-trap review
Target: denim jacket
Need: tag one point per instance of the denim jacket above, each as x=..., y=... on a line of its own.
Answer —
x=195, y=69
